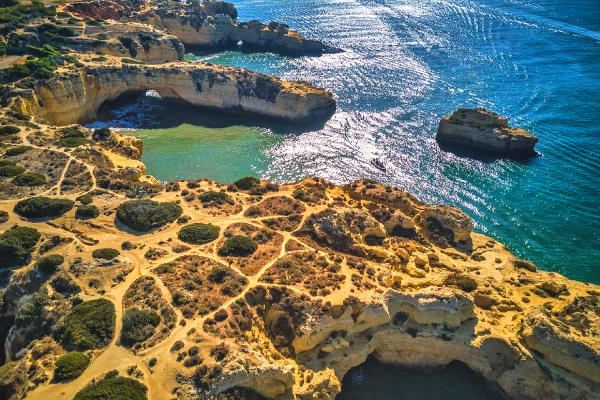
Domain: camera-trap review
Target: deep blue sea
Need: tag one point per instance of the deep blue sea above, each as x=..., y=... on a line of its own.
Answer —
x=407, y=64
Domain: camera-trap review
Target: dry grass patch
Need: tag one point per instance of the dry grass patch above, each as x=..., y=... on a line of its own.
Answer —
x=199, y=285
x=269, y=246
x=144, y=293
x=276, y=205
x=306, y=270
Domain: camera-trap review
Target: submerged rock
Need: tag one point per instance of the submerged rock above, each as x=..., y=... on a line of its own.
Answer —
x=485, y=130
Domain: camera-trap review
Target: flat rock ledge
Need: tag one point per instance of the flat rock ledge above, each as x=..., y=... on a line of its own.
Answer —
x=485, y=130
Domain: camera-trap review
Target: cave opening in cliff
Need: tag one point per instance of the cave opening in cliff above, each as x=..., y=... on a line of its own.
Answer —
x=147, y=109
x=380, y=381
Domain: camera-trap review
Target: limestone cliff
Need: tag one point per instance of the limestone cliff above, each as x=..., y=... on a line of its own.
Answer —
x=482, y=129
x=75, y=95
x=209, y=25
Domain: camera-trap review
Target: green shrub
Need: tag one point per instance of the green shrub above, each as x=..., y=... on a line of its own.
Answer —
x=70, y=365
x=16, y=245
x=102, y=36
x=71, y=132
x=102, y=133
x=198, y=233
x=247, y=183
x=6, y=130
x=71, y=142
x=85, y=199
x=10, y=168
x=138, y=325
x=16, y=151
x=126, y=41
x=30, y=179
x=212, y=196
x=218, y=274
x=89, y=325
x=3, y=217
x=32, y=308
x=113, y=388
x=39, y=207
x=105, y=254
x=87, y=211
x=49, y=263
x=238, y=246
x=144, y=215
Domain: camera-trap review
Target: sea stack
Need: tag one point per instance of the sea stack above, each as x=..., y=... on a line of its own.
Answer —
x=485, y=130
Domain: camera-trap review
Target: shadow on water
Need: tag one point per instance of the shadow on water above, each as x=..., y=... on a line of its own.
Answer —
x=390, y=382
x=142, y=110
x=483, y=156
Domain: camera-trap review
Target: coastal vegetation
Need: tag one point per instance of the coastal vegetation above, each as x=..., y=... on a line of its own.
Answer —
x=138, y=325
x=70, y=366
x=30, y=179
x=89, y=325
x=238, y=246
x=16, y=245
x=106, y=253
x=87, y=211
x=114, y=388
x=49, y=264
x=145, y=215
x=41, y=207
x=198, y=233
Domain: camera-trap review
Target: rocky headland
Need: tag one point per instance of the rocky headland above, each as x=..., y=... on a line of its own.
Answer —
x=74, y=94
x=210, y=25
x=485, y=130
x=326, y=276
x=113, y=282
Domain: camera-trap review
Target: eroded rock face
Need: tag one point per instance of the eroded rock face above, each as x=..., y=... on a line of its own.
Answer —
x=483, y=129
x=567, y=337
x=75, y=96
x=213, y=25
x=447, y=222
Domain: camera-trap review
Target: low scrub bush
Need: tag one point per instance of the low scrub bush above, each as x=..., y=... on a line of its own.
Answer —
x=71, y=142
x=105, y=254
x=48, y=264
x=30, y=179
x=3, y=216
x=214, y=197
x=87, y=211
x=10, y=168
x=89, y=325
x=113, y=388
x=246, y=183
x=85, y=199
x=238, y=246
x=6, y=130
x=144, y=215
x=16, y=151
x=70, y=366
x=40, y=207
x=138, y=325
x=16, y=244
x=198, y=233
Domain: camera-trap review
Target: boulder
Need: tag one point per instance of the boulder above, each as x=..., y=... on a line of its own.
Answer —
x=485, y=130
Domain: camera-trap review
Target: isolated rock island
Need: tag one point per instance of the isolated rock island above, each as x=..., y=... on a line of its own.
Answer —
x=112, y=283
x=482, y=129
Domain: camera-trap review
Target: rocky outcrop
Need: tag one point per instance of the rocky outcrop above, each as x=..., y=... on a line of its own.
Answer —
x=485, y=130
x=75, y=96
x=208, y=25
x=567, y=337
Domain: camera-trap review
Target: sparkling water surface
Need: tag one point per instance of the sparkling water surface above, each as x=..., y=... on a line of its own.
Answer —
x=407, y=64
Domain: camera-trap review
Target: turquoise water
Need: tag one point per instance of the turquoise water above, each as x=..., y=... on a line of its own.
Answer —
x=407, y=64
x=388, y=382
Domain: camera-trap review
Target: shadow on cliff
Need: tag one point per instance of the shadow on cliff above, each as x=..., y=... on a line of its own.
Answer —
x=140, y=111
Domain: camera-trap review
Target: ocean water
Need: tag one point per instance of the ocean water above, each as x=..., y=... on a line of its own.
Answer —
x=407, y=64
